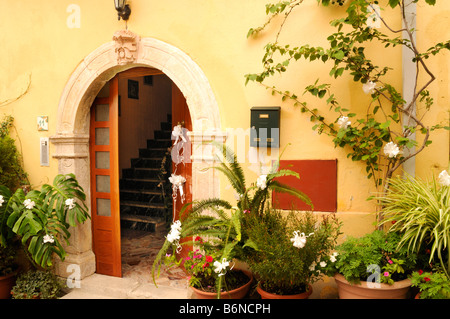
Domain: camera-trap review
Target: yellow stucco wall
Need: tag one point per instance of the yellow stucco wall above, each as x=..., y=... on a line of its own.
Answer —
x=37, y=44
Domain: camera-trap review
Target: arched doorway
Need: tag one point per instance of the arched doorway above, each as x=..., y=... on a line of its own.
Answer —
x=71, y=141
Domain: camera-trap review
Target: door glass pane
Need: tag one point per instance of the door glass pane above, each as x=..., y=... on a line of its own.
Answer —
x=103, y=183
x=102, y=136
x=103, y=207
x=102, y=160
x=102, y=113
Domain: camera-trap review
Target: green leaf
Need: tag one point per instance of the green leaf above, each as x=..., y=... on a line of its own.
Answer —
x=394, y=3
x=385, y=124
x=339, y=55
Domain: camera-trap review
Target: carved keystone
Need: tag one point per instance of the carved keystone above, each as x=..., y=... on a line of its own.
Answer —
x=126, y=46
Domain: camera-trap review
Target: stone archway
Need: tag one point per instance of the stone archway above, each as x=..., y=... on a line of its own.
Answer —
x=71, y=141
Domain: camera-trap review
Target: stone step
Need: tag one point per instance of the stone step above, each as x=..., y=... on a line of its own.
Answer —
x=146, y=162
x=99, y=286
x=141, y=183
x=152, y=152
x=158, y=222
x=145, y=196
x=141, y=172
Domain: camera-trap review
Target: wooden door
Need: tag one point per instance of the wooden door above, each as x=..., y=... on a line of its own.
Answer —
x=105, y=182
x=181, y=115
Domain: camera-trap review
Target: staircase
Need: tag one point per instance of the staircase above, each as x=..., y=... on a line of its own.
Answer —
x=145, y=194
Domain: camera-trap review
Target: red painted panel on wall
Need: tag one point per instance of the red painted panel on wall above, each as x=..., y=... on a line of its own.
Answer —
x=318, y=180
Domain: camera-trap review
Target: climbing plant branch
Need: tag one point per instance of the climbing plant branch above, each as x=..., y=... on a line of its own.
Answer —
x=20, y=95
x=380, y=136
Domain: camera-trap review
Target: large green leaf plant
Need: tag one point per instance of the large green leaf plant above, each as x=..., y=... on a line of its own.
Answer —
x=42, y=218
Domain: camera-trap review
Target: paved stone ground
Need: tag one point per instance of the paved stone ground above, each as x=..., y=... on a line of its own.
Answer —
x=139, y=249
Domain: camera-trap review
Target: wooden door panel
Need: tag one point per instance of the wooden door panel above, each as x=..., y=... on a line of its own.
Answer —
x=105, y=183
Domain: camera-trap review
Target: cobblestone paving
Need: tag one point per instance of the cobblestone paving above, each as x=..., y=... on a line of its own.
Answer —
x=139, y=249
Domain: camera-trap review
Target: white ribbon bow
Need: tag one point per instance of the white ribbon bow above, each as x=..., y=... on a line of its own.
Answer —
x=178, y=133
x=177, y=184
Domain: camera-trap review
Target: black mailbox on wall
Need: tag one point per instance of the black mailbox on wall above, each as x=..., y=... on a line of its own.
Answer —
x=265, y=127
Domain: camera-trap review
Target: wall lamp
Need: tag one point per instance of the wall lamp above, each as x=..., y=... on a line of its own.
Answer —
x=123, y=9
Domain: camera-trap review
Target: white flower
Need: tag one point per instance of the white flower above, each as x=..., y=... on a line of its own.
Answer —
x=261, y=182
x=444, y=178
x=343, y=122
x=323, y=264
x=333, y=257
x=29, y=204
x=369, y=87
x=391, y=149
x=48, y=239
x=1, y=200
x=221, y=266
x=70, y=202
x=299, y=240
x=173, y=236
x=176, y=225
x=175, y=232
x=373, y=20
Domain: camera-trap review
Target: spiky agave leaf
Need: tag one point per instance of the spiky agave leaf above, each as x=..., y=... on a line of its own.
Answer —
x=282, y=188
x=420, y=211
x=230, y=167
x=199, y=206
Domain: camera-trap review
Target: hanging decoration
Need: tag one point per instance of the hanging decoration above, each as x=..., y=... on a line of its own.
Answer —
x=178, y=134
x=177, y=185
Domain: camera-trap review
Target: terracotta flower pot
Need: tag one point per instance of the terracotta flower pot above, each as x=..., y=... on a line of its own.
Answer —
x=399, y=290
x=6, y=284
x=237, y=293
x=267, y=295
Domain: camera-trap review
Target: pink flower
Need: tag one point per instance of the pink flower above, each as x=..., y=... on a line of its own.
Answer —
x=386, y=274
x=390, y=261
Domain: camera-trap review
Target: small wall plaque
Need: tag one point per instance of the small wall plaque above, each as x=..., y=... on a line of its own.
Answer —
x=42, y=123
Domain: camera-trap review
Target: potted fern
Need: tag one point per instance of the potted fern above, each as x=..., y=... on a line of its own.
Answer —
x=219, y=222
